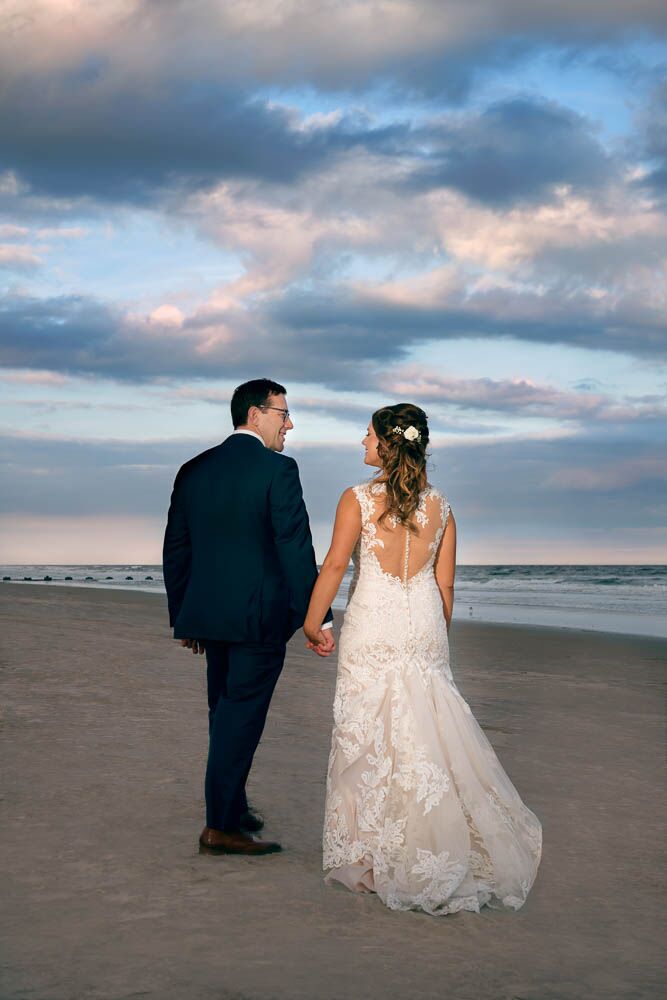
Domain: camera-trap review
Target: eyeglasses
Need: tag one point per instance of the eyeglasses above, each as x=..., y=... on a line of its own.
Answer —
x=278, y=409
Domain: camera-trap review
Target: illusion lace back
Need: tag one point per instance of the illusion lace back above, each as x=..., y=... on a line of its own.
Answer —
x=418, y=806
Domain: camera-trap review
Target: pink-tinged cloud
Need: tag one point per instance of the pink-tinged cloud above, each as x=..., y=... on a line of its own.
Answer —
x=517, y=395
x=577, y=551
x=62, y=233
x=11, y=232
x=12, y=255
x=27, y=377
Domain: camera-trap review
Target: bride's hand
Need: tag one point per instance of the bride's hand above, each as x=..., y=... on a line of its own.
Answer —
x=320, y=641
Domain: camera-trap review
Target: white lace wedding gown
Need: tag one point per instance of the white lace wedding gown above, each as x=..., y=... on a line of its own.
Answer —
x=418, y=806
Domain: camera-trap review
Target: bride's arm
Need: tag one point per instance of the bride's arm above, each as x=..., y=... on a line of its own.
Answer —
x=345, y=534
x=445, y=568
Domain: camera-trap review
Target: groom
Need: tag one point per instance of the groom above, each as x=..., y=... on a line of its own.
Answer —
x=239, y=568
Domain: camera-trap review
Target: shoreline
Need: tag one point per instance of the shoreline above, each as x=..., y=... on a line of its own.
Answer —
x=654, y=626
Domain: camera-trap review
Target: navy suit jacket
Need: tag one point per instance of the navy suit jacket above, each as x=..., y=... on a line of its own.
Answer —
x=238, y=556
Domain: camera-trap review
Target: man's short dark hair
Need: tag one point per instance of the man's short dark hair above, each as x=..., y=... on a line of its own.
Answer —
x=253, y=393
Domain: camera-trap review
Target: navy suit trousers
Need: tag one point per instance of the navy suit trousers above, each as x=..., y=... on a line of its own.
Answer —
x=241, y=680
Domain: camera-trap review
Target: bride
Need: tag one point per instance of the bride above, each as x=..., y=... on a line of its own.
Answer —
x=418, y=806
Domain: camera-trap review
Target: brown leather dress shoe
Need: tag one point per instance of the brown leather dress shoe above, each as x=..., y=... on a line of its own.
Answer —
x=235, y=843
x=251, y=821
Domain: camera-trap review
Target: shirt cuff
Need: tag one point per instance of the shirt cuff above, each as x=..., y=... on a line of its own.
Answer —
x=327, y=625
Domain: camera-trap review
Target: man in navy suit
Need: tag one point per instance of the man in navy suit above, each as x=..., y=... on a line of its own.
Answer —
x=239, y=568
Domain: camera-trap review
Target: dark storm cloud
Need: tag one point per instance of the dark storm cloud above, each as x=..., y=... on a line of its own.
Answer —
x=87, y=335
x=654, y=129
x=77, y=335
x=338, y=340
x=133, y=142
x=362, y=325
x=517, y=150
x=135, y=146
x=165, y=96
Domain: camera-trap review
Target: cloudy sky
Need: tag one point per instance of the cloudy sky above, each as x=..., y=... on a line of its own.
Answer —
x=459, y=204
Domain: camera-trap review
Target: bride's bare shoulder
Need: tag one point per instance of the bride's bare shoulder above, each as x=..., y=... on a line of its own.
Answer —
x=348, y=511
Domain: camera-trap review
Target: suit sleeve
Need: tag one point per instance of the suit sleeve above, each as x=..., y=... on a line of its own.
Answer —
x=176, y=552
x=293, y=540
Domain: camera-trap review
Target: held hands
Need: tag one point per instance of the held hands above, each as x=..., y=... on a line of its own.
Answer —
x=194, y=644
x=321, y=641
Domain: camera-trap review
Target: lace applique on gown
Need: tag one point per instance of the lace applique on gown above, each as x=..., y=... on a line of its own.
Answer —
x=418, y=806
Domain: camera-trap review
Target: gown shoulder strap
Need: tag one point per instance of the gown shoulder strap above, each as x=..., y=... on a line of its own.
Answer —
x=366, y=503
x=444, y=504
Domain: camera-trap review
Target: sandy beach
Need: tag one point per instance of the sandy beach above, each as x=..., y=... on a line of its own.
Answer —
x=107, y=896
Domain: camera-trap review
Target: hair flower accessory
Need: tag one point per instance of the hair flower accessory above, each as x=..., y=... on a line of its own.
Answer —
x=410, y=433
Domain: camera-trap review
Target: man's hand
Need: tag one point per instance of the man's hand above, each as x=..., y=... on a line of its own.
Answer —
x=194, y=644
x=321, y=641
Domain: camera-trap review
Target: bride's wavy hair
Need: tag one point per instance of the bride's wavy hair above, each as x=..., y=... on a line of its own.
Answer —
x=403, y=460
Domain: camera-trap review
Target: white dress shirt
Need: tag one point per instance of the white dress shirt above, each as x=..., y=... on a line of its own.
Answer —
x=245, y=430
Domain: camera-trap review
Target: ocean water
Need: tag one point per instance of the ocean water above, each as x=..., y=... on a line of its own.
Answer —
x=624, y=599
